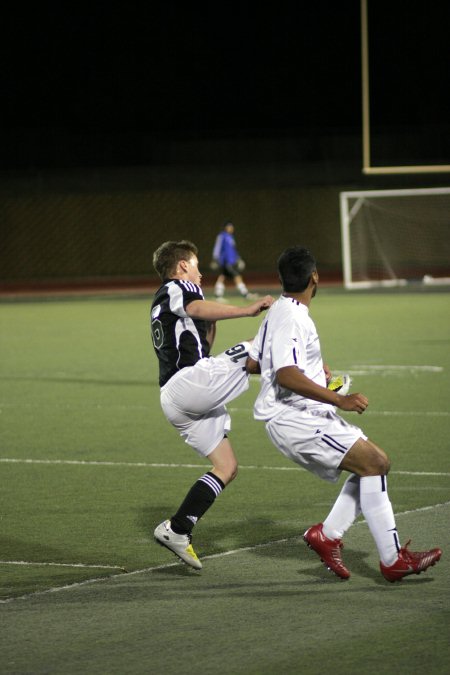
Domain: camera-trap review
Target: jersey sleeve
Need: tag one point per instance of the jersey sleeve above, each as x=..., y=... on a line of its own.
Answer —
x=256, y=345
x=181, y=293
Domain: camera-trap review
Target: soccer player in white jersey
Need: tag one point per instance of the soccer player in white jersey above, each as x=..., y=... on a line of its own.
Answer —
x=301, y=420
x=195, y=387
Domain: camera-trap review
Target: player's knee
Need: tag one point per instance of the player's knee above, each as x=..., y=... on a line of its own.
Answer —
x=233, y=472
x=227, y=473
x=366, y=459
x=378, y=462
x=383, y=465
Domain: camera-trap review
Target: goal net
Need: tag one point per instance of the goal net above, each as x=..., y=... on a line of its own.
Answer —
x=392, y=237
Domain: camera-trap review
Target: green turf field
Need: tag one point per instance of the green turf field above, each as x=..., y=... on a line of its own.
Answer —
x=89, y=466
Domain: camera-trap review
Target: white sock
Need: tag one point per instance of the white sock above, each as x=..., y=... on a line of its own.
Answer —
x=377, y=510
x=243, y=290
x=345, y=510
x=219, y=289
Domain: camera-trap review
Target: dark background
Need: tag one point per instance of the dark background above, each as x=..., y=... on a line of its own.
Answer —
x=126, y=123
x=89, y=84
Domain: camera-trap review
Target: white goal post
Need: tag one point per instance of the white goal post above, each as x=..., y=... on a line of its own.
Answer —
x=393, y=237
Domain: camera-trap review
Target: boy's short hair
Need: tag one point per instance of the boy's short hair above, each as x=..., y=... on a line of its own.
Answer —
x=295, y=266
x=168, y=255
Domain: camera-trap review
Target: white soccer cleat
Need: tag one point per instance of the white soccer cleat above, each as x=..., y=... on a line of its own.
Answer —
x=180, y=544
x=341, y=384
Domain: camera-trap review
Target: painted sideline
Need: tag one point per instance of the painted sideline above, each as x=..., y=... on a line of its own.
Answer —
x=156, y=465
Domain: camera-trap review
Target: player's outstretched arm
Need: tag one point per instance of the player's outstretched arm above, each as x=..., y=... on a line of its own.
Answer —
x=213, y=311
x=292, y=378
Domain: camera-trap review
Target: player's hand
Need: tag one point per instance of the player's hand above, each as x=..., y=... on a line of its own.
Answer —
x=353, y=403
x=327, y=372
x=260, y=305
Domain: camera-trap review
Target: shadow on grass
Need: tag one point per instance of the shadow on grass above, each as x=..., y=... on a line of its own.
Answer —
x=354, y=560
x=286, y=547
x=19, y=549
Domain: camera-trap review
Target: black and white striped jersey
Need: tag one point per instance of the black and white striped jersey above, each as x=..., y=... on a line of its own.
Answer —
x=179, y=340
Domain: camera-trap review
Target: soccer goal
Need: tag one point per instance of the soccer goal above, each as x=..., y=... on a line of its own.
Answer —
x=393, y=237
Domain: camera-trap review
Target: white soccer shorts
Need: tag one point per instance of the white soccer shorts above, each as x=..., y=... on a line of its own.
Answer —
x=318, y=441
x=194, y=399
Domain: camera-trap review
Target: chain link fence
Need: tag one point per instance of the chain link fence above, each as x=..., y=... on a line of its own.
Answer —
x=106, y=224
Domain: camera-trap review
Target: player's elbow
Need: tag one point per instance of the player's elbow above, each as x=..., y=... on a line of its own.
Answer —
x=284, y=376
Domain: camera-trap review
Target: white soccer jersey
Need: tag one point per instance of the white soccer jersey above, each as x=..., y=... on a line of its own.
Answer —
x=287, y=337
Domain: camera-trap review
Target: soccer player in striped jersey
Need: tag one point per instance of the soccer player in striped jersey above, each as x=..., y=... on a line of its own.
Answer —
x=301, y=420
x=195, y=387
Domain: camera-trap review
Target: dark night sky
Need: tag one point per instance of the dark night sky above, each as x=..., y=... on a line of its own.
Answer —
x=204, y=70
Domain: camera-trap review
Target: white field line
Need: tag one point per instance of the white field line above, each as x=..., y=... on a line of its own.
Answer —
x=55, y=564
x=74, y=406
x=354, y=370
x=147, y=570
x=246, y=411
x=395, y=413
x=410, y=369
x=409, y=413
x=160, y=465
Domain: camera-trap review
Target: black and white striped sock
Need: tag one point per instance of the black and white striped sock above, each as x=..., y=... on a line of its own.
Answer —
x=198, y=500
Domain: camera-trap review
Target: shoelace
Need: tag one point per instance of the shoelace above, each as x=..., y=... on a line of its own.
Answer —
x=336, y=552
x=420, y=559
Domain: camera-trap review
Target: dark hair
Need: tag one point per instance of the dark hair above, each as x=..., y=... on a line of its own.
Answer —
x=168, y=255
x=295, y=266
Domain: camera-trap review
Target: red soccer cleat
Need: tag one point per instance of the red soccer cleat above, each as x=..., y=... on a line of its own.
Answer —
x=329, y=550
x=409, y=562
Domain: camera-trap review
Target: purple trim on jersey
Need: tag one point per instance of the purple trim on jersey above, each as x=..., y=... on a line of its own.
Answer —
x=295, y=356
x=212, y=482
x=190, y=286
x=263, y=340
x=333, y=443
x=383, y=484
